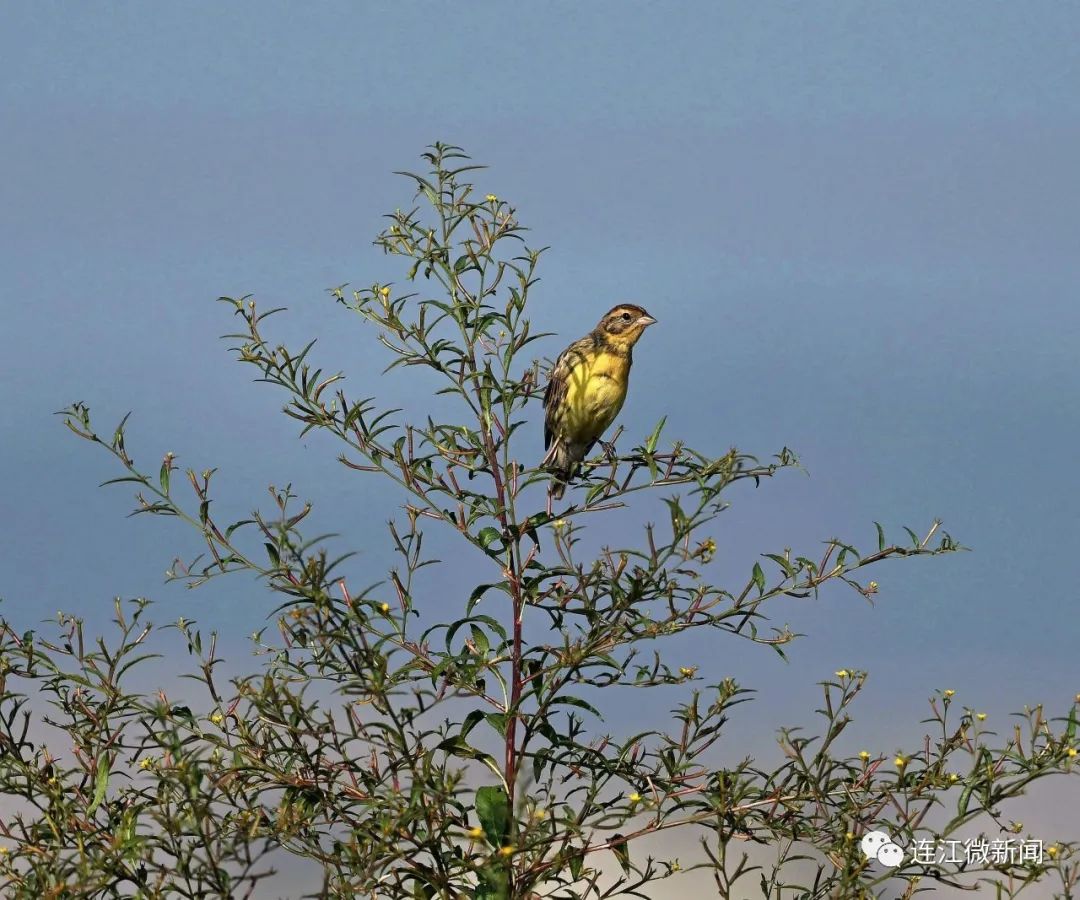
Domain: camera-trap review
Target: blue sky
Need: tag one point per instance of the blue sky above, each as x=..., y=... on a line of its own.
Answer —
x=858, y=225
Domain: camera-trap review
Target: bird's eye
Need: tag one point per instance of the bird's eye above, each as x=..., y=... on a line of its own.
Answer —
x=626, y=317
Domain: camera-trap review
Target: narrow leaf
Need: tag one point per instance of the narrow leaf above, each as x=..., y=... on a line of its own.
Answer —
x=493, y=811
x=101, y=783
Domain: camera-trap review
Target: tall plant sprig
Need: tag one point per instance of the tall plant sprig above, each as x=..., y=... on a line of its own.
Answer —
x=419, y=758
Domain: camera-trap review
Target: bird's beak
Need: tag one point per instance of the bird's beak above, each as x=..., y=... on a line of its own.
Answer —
x=645, y=321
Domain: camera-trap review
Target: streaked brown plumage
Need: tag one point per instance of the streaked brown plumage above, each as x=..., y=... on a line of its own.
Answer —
x=587, y=388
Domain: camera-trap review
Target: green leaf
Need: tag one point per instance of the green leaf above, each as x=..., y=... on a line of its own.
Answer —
x=622, y=852
x=759, y=578
x=471, y=721
x=577, y=702
x=493, y=884
x=475, y=596
x=493, y=811
x=479, y=639
x=880, y=536
x=433, y=198
x=534, y=671
x=101, y=783
x=497, y=721
x=576, y=861
x=654, y=438
x=965, y=798
x=488, y=536
x=788, y=568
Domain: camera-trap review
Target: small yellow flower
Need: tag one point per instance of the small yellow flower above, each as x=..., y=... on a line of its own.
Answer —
x=217, y=718
x=949, y=693
x=687, y=671
x=146, y=762
x=953, y=777
x=506, y=851
x=635, y=797
x=1052, y=851
x=559, y=524
x=1072, y=751
x=842, y=673
x=491, y=198
x=980, y=716
x=864, y=755
x=384, y=608
x=384, y=291
x=900, y=762
x=4, y=851
x=1076, y=699
x=539, y=814
x=850, y=836
x=707, y=550
x=476, y=832
x=872, y=586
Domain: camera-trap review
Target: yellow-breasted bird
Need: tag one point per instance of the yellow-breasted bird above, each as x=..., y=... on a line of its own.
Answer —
x=587, y=388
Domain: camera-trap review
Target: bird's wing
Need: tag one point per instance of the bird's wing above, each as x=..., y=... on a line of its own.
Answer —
x=555, y=395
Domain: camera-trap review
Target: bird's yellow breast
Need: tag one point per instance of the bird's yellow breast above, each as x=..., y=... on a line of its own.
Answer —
x=595, y=391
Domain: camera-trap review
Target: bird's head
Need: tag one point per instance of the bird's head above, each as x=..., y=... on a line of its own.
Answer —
x=625, y=323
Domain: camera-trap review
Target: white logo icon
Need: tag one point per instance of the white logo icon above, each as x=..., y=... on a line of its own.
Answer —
x=878, y=845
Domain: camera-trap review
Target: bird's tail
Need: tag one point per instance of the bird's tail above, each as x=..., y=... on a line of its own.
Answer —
x=562, y=463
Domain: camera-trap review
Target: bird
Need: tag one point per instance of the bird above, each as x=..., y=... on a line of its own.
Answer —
x=587, y=388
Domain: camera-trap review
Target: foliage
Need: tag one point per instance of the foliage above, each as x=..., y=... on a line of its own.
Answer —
x=467, y=758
